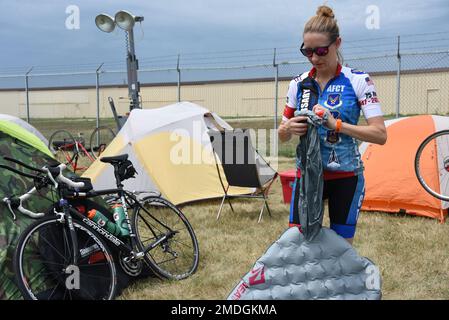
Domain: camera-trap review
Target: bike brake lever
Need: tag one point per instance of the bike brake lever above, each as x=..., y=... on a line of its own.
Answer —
x=10, y=202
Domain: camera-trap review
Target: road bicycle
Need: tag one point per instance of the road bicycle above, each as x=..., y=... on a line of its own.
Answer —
x=433, y=153
x=102, y=136
x=71, y=150
x=66, y=255
x=99, y=140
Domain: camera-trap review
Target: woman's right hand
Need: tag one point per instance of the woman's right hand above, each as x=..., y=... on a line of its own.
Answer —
x=296, y=125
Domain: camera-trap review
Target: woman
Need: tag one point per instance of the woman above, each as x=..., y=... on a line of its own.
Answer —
x=342, y=93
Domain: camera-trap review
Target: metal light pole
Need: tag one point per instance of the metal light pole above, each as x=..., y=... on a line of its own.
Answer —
x=132, y=66
x=276, y=94
x=125, y=20
x=398, y=80
x=179, y=79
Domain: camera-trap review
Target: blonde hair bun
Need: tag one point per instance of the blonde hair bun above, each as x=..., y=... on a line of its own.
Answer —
x=325, y=11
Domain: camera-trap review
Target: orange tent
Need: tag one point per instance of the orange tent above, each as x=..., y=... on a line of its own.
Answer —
x=391, y=183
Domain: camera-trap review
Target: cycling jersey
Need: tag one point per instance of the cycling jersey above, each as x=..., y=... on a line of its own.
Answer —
x=345, y=95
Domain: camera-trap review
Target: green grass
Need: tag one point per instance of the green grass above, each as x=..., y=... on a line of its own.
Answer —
x=411, y=252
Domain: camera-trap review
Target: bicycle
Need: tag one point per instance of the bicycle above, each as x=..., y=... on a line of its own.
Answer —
x=434, y=149
x=99, y=140
x=102, y=136
x=68, y=149
x=58, y=244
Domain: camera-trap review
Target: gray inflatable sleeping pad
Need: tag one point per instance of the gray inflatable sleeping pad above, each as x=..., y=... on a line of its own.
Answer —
x=327, y=267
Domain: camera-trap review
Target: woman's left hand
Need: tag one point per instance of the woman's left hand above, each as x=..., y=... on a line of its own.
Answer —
x=331, y=121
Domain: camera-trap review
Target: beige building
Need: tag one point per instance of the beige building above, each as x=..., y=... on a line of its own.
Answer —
x=421, y=92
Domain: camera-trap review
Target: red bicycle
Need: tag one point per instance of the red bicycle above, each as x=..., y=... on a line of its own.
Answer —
x=70, y=150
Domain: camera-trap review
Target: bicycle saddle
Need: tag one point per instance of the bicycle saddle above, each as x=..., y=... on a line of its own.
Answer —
x=114, y=159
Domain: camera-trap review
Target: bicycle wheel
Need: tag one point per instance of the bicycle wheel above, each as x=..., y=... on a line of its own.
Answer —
x=100, y=139
x=434, y=152
x=177, y=256
x=62, y=145
x=44, y=269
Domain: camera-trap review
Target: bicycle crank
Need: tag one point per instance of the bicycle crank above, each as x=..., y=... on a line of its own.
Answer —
x=132, y=267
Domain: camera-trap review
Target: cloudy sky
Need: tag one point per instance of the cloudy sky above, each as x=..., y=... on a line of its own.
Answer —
x=36, y=33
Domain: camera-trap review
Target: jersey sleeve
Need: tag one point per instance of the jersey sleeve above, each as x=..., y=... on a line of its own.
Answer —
x=367, y=97
x=290, y=105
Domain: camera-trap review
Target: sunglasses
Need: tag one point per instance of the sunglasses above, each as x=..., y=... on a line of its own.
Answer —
x=320, y=51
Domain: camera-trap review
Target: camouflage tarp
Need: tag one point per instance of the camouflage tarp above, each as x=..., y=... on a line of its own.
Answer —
x=13, y=184
x=10, y=229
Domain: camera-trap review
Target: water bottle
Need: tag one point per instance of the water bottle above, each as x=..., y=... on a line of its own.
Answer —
x=120, y=218
x=104, y=222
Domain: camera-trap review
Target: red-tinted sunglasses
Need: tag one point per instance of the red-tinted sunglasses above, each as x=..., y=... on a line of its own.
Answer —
x=320, y=51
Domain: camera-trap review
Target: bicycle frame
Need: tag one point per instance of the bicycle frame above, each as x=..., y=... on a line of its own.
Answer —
x=77, y=148
x=68, y=212
x=73, y=161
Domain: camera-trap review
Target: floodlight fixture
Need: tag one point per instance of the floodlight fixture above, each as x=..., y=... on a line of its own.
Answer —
x=126, y=20
x=105, y=22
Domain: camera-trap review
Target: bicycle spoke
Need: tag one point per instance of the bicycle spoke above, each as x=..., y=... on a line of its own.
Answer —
x=54, y=290
x=182, y=243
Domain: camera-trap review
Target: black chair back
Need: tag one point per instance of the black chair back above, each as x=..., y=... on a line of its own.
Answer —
x=237, y=156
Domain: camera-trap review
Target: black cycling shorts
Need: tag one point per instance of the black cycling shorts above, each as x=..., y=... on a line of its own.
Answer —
x=344, y=195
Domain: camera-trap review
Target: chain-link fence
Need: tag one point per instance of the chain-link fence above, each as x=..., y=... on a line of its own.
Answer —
x=409, y=83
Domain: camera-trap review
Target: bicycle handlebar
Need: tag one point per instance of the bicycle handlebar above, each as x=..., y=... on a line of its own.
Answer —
x=16, y=203
x=61, y=178
x=54, y=174
x=24, y=164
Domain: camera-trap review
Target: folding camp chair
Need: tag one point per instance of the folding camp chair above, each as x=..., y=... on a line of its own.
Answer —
x=242, y=166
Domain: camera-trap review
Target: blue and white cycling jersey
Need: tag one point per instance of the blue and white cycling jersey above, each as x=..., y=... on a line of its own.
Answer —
x=348, y=93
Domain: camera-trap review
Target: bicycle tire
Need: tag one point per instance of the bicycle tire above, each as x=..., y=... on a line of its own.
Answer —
x=176, y=258
x=428, y=153
x=99, y=140
x=44, y=272
x=62, y=145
